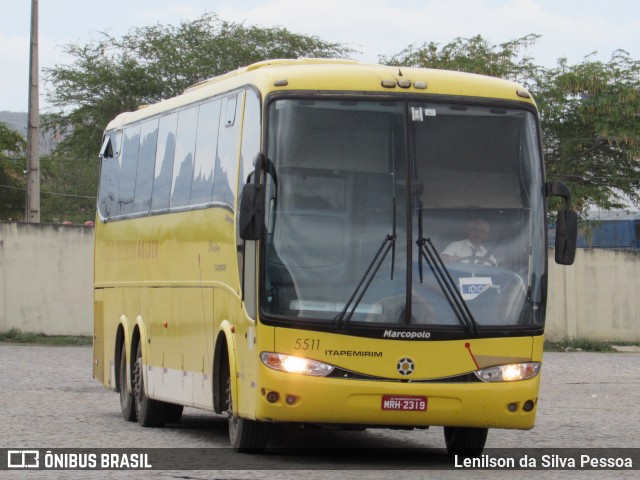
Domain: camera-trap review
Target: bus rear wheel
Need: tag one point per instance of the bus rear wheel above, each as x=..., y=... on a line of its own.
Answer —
x=245, y=435
x=127, y=404
x=150, y=413
x=465, y=441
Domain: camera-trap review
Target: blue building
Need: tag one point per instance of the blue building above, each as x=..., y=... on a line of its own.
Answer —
x=617, y=229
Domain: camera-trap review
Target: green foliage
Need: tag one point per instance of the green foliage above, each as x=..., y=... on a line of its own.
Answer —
x=473, y=55
x=16, y=335
x=69, y=186
x=12, y=181
x=582, y=345
x=590, y=116
x=589, y=112
x=112, y=75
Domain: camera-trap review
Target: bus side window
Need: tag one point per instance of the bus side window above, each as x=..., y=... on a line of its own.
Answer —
x=146, y=162
x=227, y=157
x=251, y=128
x=110, y=176
x=205, y=155
x=128, y=168
x=250, y=146
x=230, y=115
x=183, y=158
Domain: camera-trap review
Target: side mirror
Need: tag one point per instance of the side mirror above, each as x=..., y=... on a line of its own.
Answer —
x=252, y=204
x=566, y=225
x=252, y=212
x=566, y=237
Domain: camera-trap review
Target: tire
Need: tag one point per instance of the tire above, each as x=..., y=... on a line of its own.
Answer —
x=127, y=403
x=174, y=413
x=465, y=441
x=246, y=436
x=150, y=413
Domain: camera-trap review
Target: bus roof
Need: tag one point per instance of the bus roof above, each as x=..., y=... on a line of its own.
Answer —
x=332, y=75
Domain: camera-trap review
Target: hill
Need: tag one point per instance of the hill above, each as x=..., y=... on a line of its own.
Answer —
x=19, y=121
x=16, y=120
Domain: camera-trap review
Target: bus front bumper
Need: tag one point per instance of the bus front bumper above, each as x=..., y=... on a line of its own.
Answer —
x=292, y=398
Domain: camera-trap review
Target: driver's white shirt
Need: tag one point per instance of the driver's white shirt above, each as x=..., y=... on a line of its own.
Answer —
x=464, y=248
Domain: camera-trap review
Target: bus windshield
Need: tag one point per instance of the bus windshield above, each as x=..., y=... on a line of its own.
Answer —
x=403, y=213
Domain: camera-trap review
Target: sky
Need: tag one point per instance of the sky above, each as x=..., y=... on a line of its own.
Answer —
x=569, y=28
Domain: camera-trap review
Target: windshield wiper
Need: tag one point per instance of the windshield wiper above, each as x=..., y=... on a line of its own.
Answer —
x=443, y=277
x=388, y=244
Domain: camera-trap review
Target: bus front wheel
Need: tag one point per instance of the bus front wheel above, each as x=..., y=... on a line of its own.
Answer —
x=465, y=441
x=245, y=435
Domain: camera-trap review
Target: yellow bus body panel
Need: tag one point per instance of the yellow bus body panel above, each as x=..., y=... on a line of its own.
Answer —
x=317, y=75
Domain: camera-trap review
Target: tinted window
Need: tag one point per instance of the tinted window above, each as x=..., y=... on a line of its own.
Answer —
x=129, y=166
x=230, y=110
x=227, y=158
x=183, y=159
x=250, y=135
x=109, y=176
x=250, y=146
x=207, y=141
x=146, y=163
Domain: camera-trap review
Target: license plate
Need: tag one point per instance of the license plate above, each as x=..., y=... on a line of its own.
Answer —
x=407, y=403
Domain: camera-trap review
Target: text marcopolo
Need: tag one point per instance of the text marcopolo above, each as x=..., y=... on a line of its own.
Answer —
x=406, y=334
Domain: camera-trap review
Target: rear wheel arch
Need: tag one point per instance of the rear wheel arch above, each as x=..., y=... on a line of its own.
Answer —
x=244, y=435
x=117, y=354
x=221, y=369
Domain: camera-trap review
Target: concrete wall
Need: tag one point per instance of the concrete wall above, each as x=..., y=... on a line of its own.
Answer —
x=46, y=277
x=598, y=297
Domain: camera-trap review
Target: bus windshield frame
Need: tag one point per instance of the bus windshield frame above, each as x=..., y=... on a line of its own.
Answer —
x=365, y=183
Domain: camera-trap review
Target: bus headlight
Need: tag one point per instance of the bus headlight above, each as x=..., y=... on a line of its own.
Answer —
x=509, y=373
x=292, y=364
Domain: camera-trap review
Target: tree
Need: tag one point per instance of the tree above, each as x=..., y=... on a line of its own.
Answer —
x=113, y=75
x=589, y=112
x=590, y=116
x=474, y=55
x=69, y=186
x=12, y=181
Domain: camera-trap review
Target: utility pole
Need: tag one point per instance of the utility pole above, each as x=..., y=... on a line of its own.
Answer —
x=32, y=211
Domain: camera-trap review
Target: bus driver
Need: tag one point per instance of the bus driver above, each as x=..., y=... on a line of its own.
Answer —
x=471, y=249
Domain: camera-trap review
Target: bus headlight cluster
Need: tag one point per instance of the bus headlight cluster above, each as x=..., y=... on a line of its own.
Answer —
x=293, y=364
x=509, y=373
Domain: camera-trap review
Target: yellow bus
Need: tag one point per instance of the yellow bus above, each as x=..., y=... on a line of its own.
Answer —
x=285, y=244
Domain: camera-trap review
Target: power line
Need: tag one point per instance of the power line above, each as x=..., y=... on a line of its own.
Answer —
x=50, y=193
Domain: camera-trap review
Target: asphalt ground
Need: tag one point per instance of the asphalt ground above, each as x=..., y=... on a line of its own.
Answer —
x=50, y=401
